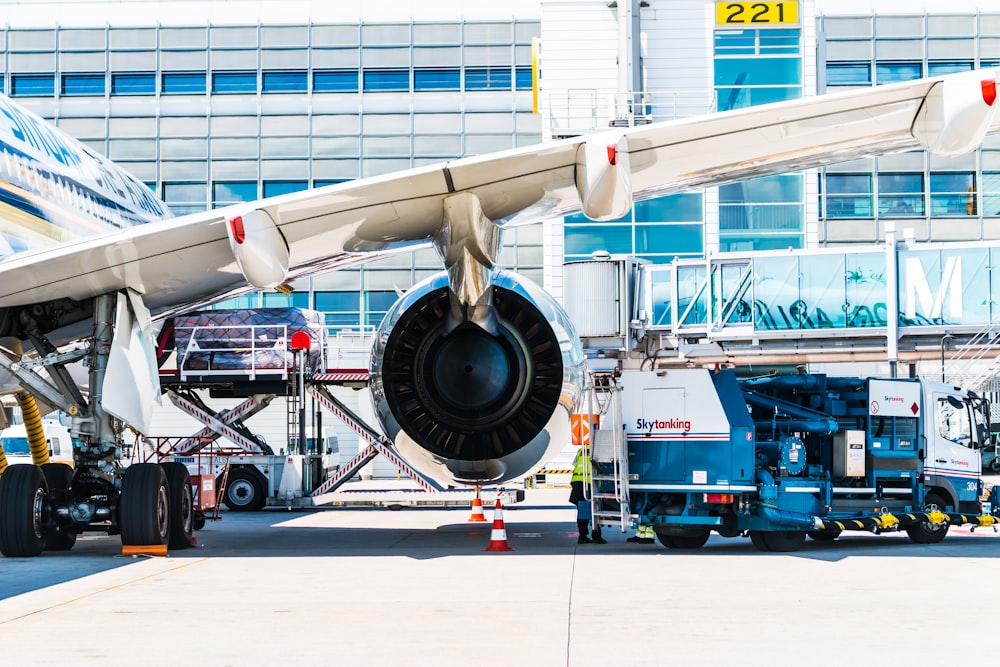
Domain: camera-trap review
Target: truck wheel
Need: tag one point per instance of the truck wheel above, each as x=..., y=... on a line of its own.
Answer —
x=757, y=538
x=683, y=541
x=181, y=504
x=144, y=506
x=995, y=464
x=58, y=477
x=24, y=510
x=784, y=540
x=824, y=535
x=244, y=491
x=929, y=533
x=198, y=522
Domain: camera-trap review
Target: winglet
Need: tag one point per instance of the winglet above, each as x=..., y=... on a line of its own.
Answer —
x=258, y=247
x=956, y=114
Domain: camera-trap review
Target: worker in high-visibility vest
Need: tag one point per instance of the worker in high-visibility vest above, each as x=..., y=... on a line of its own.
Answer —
x=582, y=474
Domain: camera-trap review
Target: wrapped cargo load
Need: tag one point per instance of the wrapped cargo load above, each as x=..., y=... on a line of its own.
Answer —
x=245, y=341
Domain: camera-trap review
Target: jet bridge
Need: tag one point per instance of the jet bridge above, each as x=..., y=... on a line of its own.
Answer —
x=895, y=302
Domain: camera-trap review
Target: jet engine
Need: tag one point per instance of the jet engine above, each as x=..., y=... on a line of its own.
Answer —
x=469, y=403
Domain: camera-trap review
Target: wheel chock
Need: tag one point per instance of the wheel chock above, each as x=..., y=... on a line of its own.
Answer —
x=144, y=550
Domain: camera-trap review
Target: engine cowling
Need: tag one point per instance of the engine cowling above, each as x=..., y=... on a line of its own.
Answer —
x=469, y=407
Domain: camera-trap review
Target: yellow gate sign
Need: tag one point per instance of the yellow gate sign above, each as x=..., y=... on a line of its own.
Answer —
x=751, y=14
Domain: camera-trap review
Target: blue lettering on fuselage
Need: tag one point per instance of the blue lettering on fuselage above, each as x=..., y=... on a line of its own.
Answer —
x=28, y=130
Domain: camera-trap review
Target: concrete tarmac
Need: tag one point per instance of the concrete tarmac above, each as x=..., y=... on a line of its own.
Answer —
x=414, y=587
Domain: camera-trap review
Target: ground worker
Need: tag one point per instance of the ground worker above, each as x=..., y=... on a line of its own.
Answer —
x=644, y=534
x=582, y=474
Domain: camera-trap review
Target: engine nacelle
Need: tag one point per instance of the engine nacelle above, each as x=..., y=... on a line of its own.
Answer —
x=468, y=407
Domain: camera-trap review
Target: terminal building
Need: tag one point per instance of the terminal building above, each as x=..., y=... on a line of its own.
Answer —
x=214, y=102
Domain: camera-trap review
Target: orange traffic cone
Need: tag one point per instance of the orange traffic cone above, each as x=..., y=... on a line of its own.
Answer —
x=477, y=509
x=498, y=537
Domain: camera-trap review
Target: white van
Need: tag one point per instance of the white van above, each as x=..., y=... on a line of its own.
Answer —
x=15, y=443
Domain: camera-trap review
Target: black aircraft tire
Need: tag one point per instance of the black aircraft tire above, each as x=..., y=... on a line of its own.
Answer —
x=24, y=506
x=684, y=542
x=58, y=477
x=144, y=506
x=925, y=533
x=244, y=491
x=181, y=505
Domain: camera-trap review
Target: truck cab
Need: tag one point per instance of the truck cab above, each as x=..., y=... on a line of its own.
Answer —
x=14, y=439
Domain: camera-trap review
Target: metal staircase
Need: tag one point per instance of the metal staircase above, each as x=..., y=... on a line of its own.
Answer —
x=609, y=482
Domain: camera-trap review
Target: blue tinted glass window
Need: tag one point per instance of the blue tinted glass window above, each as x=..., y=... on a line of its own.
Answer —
x=949, y=67
x=436, y=79
x=738, y=98
x=899, y=71
x=333, y=302
x=182, y=83
x=231, y=192
x=684, y=207
x=581, y=219
x=285, y=82
x=587, y=239
x=83, y=84
x=133, y=83
x=757, y=71
x=2, y=89
x=32, y=84
x=953, y=193
x=386, y=80
x=378, y=304
x=669, y=238
x=766, y=189
x=293, y=300
x=901, y=195
x=335, y=80
x=185, y=197
x=849, y=195
x=848, y=74
x=275, y=188
x=779, y=41
x=735, y=42
x=237, y=303
x=522, y=78
x=234, y=82
x=989, y=63
x=320, y=182
x=487, y=78
x=759, y=242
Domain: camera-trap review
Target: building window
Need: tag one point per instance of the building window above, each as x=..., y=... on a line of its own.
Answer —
x=848, y=74
x=133, y=83
x=185, y=197
x=487, y=78
x=278, y=300
x=386, y=80
x=182, y=83
x=991, y=193
x=83, y=84
x=953, y=193
x=341, y=309
x=522, y=78
x=225, y=193
x=226, y=83
x=437, y=79
x=891, y=72
x=335, y=81
x=751, y=210
x=377, y=304
x=285, y=82
x=849, y=196
x=275, y=188
x=744, y=82
x=22, y=85
x=941, y=68
x=900, y=195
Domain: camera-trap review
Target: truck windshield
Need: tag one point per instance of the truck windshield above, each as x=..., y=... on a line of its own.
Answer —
x=953, y=422
x=16, y=446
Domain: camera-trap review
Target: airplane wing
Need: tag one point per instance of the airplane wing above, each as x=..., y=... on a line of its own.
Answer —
x=185, y=262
